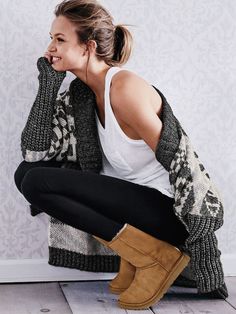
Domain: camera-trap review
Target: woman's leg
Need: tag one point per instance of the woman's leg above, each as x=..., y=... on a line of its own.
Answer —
x=25, y=166
x=100, y=205
x=19, y=175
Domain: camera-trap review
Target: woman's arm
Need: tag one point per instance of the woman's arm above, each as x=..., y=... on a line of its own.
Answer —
x=131, y=101
x=37, y=134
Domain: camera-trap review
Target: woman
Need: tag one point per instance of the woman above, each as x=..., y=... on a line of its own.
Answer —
x=136, y=184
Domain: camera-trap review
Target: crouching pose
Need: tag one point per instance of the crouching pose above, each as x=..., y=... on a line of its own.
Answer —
x=108, y=157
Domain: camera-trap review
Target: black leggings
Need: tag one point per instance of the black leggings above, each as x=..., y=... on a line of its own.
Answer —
x=98, y=204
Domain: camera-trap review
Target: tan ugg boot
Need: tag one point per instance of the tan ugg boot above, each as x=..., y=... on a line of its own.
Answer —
x=124, y=278
x=157, y=263
x=125, y=275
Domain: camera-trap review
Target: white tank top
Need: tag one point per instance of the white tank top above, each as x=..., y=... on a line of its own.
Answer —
x=126, y=158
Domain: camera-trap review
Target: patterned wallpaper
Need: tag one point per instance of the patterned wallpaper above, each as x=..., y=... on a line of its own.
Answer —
x=184, y=47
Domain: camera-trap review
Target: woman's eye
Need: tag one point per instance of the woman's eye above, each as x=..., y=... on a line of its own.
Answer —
x=58, y=39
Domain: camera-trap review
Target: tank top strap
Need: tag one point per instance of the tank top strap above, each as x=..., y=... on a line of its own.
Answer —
x=112, y=71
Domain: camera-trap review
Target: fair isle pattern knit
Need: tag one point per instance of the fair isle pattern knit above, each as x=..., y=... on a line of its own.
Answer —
x=181, y=169
x=63, y=142
x=197, y=202
x=196, y=196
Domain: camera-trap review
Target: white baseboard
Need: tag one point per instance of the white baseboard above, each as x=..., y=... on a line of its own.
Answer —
x=37, y=270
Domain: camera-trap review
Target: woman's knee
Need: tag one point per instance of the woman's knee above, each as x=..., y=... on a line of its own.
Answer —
x=20, y=173
x=30, y=184
x=25, y=166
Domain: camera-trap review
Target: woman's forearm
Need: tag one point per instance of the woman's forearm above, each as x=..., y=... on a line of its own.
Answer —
x=37, y=133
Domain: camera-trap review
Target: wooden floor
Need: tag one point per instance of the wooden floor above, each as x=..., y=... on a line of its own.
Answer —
x=93, y=297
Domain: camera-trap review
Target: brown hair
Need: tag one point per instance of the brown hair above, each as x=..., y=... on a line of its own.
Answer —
x=94, y=22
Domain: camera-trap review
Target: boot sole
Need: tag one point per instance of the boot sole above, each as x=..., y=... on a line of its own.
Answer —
x=117, y=290
x=180, y=265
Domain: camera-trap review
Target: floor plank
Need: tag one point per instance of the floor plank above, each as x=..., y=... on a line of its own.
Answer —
x=94, y=298
x=32, y=298
x=231, y=285
x=185, y=300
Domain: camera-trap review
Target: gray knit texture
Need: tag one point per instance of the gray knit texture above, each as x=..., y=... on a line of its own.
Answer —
x=197, y=201
x=37, y=133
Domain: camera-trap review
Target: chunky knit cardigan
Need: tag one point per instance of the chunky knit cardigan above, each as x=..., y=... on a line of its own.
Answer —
x=62, y=127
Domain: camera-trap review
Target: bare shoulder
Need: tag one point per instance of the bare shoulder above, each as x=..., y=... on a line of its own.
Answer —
x=130, y=84
x=136, y=105
x=126, y=77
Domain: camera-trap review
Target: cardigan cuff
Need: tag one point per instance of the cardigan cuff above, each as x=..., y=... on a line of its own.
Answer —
x=205, y=258
x=93, y=263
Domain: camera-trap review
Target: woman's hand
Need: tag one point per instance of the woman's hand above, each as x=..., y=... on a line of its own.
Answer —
x=48, y=56
x=46, y=70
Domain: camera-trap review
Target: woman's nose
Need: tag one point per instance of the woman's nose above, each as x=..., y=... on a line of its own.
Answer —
x=51, y=47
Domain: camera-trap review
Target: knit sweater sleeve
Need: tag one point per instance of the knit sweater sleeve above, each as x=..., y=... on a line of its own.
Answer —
x=41, y=138
x=198, y=205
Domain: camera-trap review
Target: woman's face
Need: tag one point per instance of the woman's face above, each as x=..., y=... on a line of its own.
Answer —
x=65, y=52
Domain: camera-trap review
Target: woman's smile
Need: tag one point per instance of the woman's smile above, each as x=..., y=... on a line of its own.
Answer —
x=55, y=59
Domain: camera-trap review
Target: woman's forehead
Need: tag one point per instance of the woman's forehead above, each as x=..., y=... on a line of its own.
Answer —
x=61, y=25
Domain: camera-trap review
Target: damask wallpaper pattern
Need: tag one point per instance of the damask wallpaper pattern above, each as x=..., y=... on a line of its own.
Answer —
x=184, y=47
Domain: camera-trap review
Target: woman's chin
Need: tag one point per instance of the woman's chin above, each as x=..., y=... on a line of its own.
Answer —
x=57, y=68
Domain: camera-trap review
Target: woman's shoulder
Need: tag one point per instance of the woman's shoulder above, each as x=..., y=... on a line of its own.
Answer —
x=129, y=82
x=125, y=76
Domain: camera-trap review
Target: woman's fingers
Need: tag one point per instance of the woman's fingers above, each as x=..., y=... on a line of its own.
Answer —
x=48, y=56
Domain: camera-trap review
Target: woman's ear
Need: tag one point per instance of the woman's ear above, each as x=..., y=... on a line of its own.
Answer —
x=91, y=46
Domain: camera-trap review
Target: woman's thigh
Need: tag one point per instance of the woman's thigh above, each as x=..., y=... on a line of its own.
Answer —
x=25, y=166
x=92, y=189
x=118, y=199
